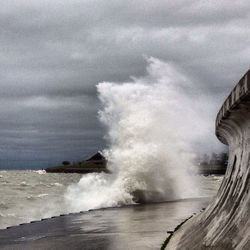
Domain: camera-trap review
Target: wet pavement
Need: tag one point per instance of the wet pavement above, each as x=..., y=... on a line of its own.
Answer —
x=127, y=228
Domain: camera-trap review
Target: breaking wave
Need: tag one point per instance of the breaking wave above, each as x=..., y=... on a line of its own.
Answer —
x=152, y=126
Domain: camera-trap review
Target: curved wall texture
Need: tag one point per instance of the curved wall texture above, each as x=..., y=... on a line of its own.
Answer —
x=225, y=224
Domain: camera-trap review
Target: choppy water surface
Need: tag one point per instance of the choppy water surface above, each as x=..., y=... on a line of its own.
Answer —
x=32, y=195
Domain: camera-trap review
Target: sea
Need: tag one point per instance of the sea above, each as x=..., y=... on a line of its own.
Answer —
x=33, y=195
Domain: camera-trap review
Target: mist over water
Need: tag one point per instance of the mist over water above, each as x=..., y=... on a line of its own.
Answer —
x=153, y=129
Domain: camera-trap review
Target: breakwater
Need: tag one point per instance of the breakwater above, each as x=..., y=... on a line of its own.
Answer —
x=225, y=224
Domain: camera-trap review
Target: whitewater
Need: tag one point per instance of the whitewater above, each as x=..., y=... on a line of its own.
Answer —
x=28, y=195
x=154, y=129
x=153, y=132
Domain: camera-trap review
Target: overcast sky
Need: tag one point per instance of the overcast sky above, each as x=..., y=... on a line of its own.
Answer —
x=53, y=53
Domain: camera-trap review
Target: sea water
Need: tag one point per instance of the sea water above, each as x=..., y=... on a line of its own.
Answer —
x=33, y=195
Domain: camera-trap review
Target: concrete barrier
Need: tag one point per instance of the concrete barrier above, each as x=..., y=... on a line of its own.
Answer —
x=225, y=224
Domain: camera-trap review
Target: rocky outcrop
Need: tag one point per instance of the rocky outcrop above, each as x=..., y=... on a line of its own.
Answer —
x=225, y=224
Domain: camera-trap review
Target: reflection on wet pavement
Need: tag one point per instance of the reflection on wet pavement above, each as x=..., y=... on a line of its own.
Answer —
x=133, y=227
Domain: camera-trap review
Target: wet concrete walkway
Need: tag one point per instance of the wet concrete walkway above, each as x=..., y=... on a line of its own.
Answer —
x=127, y=228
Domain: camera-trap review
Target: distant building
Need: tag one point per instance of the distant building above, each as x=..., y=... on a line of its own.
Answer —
x=214, y=165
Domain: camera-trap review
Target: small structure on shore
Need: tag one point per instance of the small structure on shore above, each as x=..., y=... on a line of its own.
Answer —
x=216, y=164
x=95, y=164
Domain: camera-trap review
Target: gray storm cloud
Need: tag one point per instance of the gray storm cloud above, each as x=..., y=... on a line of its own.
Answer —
x=54, y=53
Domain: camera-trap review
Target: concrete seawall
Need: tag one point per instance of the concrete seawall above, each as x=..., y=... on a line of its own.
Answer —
x=225, y=224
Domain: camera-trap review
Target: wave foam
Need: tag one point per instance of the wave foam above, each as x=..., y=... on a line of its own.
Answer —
x=151, y=133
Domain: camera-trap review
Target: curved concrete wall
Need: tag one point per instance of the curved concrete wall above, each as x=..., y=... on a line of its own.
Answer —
x=225, y=224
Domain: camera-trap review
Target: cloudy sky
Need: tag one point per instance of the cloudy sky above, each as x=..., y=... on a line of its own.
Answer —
x=53, y=53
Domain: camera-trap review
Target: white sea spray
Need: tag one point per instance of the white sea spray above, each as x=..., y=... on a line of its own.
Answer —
x=153, y=126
